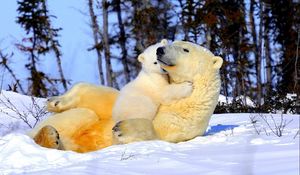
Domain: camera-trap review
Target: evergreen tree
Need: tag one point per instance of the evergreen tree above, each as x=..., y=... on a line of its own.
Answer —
x=33, y=17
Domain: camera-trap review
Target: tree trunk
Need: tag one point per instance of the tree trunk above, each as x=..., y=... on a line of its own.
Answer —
x=56, y=51
x=267, y=50
x=109, y=73
x=208, y=38
x=97, y=44
x=256, y=50
x=60, y=70
x=122, y=41
x=183, y=22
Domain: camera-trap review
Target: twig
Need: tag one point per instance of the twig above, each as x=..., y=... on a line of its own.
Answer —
x=277, y=129
x=34, y=110
x=253, y=122
x=126, y=157
x=297, y=133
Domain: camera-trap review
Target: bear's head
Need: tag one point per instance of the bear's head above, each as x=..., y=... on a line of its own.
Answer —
x=148, y=58
x=184, y=60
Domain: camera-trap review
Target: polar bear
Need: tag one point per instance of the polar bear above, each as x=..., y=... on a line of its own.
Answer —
x=186, y=118
x=81, y=121
x=141, y=97
x=178, y=121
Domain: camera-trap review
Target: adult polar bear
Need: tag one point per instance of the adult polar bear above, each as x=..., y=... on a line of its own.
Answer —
x=189, y=117
x=179, y=121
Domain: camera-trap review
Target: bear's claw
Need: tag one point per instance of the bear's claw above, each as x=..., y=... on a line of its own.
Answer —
x=116, y=127
x=53, y=104
x=56, y=103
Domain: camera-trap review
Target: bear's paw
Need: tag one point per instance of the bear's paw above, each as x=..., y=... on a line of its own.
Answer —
x=48, y=137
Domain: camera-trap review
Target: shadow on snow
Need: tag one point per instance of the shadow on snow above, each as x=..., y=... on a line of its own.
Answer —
x=219, y=128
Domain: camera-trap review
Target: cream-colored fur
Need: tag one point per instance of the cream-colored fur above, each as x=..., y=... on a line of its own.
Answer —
x=67, y=126
x=82, y=118
x=189, y=117
x=84, y=95
x=142, y=97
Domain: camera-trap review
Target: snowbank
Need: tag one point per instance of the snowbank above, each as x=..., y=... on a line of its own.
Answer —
x=232, y=145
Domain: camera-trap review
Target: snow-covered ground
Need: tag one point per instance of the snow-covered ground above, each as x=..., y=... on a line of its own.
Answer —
x=232, y=145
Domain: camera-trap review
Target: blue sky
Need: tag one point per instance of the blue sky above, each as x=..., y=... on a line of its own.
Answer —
x=78, y=63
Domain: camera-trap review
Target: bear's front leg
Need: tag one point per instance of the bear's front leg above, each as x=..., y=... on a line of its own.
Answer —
x=133, y=130
x=176, y=92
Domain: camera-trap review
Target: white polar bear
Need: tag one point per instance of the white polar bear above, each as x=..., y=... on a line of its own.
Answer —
x=141, y=98
x=186, y=118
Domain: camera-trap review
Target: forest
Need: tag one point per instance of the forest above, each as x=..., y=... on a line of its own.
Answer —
x=258, y=40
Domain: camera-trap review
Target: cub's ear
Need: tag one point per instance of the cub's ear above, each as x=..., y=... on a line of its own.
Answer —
x=141, y=58
x=217, y=62
x=164, y=42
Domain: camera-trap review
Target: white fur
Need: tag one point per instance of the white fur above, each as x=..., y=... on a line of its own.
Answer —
x=142, y=97
x=189, y=117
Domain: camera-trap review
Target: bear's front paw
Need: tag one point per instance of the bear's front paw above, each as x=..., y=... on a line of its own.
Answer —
x=133, y=130
x=57, y=104
x=52, y=104
x=186, y=89
x=48, y=137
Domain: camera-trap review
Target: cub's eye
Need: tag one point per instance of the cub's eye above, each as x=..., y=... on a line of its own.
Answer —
x=186, y=50
x=155, y=63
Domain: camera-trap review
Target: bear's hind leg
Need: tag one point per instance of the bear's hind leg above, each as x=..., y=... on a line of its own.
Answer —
x=48, y=137
x=61, y=103
x=68, y=100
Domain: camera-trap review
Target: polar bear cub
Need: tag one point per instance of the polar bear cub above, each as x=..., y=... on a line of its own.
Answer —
x=141, y=97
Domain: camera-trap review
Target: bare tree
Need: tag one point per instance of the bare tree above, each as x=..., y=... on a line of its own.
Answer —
x=256, y=50
x=266, y=47
x=54, y=45
x=109, y=72
x=122, y=40
x=97, y=36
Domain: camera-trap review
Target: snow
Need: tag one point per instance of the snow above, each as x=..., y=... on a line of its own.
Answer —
x=14, y=106
x=231, y=145
x=228, y=100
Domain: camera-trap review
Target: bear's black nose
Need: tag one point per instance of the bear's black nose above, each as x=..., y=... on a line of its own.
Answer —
x=160, y=51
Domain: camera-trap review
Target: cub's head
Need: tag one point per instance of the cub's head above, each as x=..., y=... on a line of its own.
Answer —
x=149, y=59
x=183, y=60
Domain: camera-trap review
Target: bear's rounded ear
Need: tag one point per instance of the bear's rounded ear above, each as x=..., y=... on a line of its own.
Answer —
x=217, y=62
x=164, y=42
x=141, y=58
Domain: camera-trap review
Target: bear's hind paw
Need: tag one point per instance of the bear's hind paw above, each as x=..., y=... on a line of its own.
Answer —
x=58, y=104
x=48, y=137
x=133, y=130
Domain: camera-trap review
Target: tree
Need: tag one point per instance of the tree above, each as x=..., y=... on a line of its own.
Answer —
x=110, y=78
x=122, y=39
x=97, y=35
x=149, y=29
x=33, y=17
x=4, y=63
x=287, y=23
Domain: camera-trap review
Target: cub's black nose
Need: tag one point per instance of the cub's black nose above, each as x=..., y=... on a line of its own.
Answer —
x=160, y=51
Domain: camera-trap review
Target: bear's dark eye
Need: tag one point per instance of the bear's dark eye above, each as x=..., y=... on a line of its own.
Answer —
x=186, y=50
x=155, y=62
